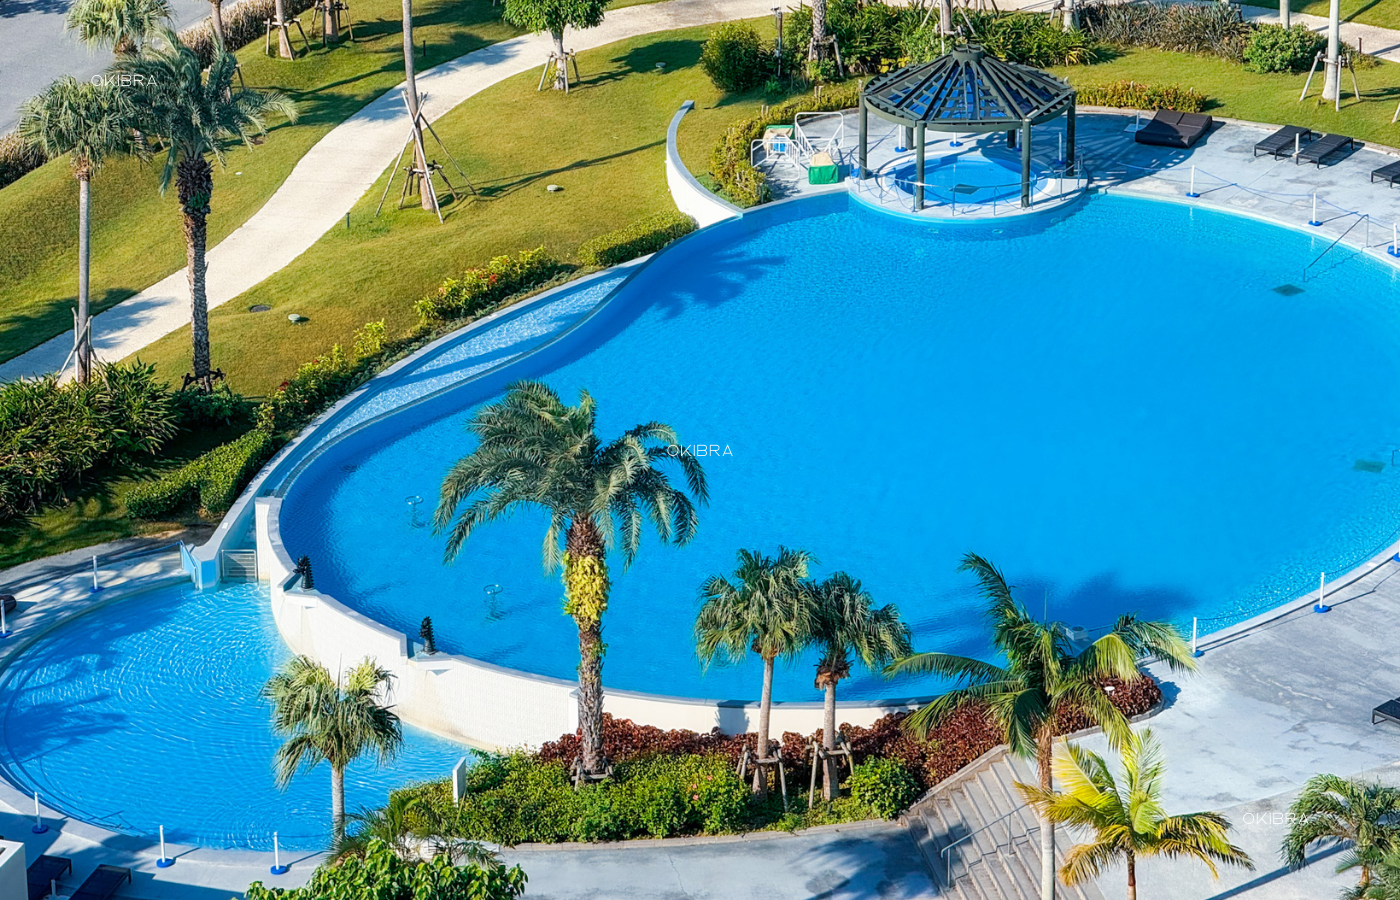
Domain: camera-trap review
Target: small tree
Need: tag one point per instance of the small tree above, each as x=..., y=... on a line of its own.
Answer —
x=1331, y=810
x=380, y=873
x=554, y=16
x=1124, y=818
x=333, y=722
x=88, y=122
x=123, y=25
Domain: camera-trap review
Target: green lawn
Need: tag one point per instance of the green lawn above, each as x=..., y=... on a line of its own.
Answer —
x=604, y=143
x=1385, y=13
x=1236, y=93
x=136, y=232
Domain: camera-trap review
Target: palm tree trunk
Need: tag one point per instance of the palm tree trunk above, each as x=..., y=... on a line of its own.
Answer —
x=586, y=587
x=1044, y=747
x=765, y=709
x=1132, y=876
x=84, y=342
x=831, y=780
x=284, y=38
x=195, y=183
x=337, y=803
x=561, y=73
x=216, y=20
x=818, y=45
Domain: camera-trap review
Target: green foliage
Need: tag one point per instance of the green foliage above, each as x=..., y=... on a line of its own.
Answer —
x=1137, y=95
x=519, y=798
x=213, y=479
x=243, y=24
x=53, y=434
x=322, y=381
x=381, y=874
x=637, y=239
x=18, y=158
x=369, y=340
x=735, y=58
x=729, y=163
x=1212, y=29
x=554, y=16
x=195, y=409
x=480, y=289
x=1273, y=48
x=884, y=785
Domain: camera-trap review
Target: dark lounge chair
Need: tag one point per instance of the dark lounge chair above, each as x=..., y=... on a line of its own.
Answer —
x=1323, y=147
x=1283, y=142
x=44, y=871
x=1170, y=128
x=1389, y=711
x=1389, y=174
x=103, y=883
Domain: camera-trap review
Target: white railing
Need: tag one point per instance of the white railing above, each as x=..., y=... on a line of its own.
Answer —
x=891, y=189
x=809, y=145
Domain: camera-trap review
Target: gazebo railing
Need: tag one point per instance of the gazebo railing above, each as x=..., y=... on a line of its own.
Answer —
x=892, y=189
x=810, y=145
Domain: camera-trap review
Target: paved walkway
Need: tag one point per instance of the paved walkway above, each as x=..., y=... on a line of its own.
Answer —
x=336, y=172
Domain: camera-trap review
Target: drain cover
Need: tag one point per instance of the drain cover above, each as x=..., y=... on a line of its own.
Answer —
x=261, y=307
x=1288, y=290
x=1369, y=465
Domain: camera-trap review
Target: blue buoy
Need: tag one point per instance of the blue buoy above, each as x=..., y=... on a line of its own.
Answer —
x=1321, y=608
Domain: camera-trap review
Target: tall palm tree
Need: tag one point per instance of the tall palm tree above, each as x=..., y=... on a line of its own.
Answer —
x=534, y=450
x=1043, y=679
x=760, y=610
x=216, y=21
x=842, y=619
x=126, y=26
x=195, y=115
x=330, y=721
x=1365, y=816
x=89, y=122
x=1125, y=818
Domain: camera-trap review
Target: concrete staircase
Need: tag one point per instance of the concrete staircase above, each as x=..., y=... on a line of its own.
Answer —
x=1000, y=856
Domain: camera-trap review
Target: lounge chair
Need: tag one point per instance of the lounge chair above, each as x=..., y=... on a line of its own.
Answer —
x=103, y=883
x=44, y=871
x=1283, y=142
x=1389, y=711
x=1322, y=148
x=1170, y=128
x=1389, y=174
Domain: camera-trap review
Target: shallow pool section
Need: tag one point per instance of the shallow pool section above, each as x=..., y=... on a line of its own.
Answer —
x=965, y=178
x=1129, y=406
x=146, y=712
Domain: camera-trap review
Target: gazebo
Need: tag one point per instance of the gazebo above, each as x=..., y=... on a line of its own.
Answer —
x=967, y=91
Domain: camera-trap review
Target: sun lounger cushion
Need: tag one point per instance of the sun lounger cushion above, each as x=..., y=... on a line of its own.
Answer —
x=1389, y=710
x=1389, y=174
x=1170, y=128
x=1284, y=141
x=43, y=872
x=1324, y=147
x=103, y=883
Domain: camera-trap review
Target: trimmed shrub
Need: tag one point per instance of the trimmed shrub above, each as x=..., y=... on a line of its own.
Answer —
x=735, y=58
x=729, y=163
x=213, y=479
x=884, y=785
x=1137, y=95
x=195, y=409
x=17, y=158
x=637, y=239
x=381, y=874
x=480, y=289
x=1213, y=29
x=1273, y=48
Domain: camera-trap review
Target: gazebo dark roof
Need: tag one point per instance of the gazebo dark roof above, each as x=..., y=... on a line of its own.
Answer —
x=968, y=90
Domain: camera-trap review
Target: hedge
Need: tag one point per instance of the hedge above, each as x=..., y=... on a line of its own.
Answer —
x=729, y=163
x=1139, y=95
x=243, y=24
x=637, y=239
x=481, y=288
x=213, y=479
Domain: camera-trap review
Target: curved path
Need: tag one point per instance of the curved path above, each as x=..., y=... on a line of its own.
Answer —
x=337, y=171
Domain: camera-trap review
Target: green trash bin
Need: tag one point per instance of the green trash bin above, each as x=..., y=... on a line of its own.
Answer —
x=823, y=170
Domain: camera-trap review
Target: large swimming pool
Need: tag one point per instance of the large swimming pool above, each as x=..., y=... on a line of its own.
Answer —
x=1129, y=406
x=146, y=712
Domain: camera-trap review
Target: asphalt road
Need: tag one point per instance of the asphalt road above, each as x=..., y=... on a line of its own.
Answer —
x=34, y=49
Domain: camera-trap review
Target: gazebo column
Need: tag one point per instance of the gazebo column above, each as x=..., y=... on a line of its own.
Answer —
x=1069, y=136
x=1011, y=139
x=919, y=167
x=864, y=130
x=908, y=136
x=1025, y=163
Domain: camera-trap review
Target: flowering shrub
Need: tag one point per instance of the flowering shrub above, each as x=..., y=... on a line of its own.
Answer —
x=482, y=288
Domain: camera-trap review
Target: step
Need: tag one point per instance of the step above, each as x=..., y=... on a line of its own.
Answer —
x=973, y=883
x=1005, y=780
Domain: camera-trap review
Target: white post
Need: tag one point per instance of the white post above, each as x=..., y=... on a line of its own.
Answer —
x=1395, y=239
x=4, y=626
x=164, y=862
x=95, y=586
x=1192, y=192
x=1194, y=622
x=1314, y=220
x=39, y=826
x=1321, y=593
x=277, y=867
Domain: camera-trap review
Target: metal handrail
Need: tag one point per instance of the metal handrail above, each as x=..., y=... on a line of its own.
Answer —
x=889, y=181
x=967, y=837
x=837, y=140
x=1365, y=217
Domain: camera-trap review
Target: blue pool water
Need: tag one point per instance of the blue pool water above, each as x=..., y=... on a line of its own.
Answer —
x=1117, y=405
x=146, y=713
x=966, y=178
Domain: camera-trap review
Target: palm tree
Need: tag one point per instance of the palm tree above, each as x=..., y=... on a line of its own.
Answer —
x=330, y=721
x=842, y=619
x=1336, y=810
x=88, y=121
x=1125, y=818
x=405, y=824
x=760, y=610
x=1043, y=679
x=194, y=115
x=536, y=451
x=1385, y=877
x=216, y=21
x=124, y=25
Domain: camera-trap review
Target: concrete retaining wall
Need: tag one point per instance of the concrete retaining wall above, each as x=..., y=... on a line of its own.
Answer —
x=692, y=197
